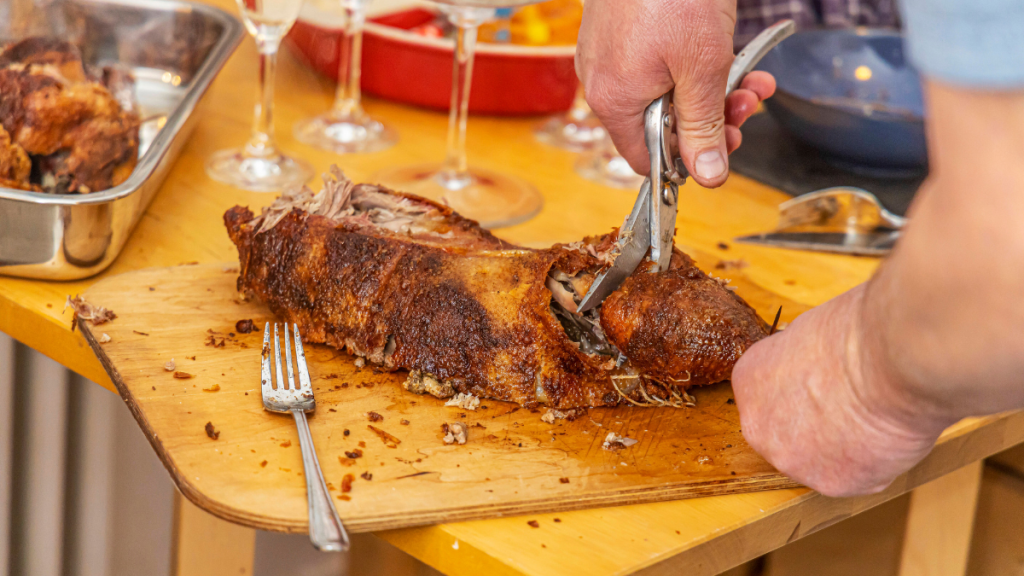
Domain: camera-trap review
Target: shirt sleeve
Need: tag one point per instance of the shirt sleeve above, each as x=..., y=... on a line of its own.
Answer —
x=973, y=43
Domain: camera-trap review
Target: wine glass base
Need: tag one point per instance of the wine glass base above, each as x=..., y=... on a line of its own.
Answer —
x=569, y=134
x=345, y=135
x=491, y=198
x=258, y=174
x=608, y=169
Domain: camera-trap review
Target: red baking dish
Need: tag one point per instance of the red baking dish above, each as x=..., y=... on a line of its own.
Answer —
x=407, y=67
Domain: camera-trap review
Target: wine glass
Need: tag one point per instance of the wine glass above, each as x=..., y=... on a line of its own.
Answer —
x=492, y=198
x=577, y=130
x=604, y=165
x=259, y=165
x=346, y=128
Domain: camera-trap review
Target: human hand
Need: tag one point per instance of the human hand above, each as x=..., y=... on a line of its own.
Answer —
x=820, y=404
x=631, y=52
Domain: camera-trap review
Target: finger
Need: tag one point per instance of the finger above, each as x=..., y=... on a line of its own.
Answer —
x=733, y=138
x=700, y=114
x=739, y=106
x=760, y=82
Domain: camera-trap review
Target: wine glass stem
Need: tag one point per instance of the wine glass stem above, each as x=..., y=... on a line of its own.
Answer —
x=262, y=141
x=580, y=110
x=467, y=20
x=347, y=98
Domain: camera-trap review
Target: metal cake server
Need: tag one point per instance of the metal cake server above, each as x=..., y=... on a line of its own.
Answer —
x=843, y=220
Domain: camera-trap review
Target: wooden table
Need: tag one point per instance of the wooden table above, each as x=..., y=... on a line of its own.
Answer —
x=704, y=536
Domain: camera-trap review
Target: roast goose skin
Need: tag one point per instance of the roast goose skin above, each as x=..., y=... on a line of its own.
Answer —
x=409, y=284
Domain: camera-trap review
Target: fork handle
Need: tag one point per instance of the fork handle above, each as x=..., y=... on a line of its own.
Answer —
x=325, y=529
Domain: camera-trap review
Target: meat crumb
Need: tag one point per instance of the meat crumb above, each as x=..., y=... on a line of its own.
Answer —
x=366, y=476
x=723, y=246
x=214, y=388
x=374, y=417
x=104, y=338
x=558, y=519
x=360, y=362
x=420, y=382
x=183, y=375
x=346, y=483
x=213, y=434
x=614, y=442
x=464, y=401
x=357, y=453
x=455, y=432
x=389, y=440
x=170, y=366
x=534, y=524
x=286, y=443
x=563, y=480
x=403, y=422
x=244, y=326
x=263, y=464
x=96, y=315
x=346, y=432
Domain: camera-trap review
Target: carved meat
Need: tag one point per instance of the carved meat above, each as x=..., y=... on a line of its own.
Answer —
x=76, y=125
x=408, y=284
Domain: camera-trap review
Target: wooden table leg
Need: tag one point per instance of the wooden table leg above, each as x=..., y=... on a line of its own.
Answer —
x=939, y=524
x=205, y=544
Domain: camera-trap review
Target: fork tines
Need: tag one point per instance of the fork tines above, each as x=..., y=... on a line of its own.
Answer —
x=300, y=363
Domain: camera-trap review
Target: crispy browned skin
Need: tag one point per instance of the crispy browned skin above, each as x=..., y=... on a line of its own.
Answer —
x=77, y=133
x=680, y=326
x=461, y=305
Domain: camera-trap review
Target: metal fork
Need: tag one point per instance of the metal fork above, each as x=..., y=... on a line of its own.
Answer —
x=325, y=529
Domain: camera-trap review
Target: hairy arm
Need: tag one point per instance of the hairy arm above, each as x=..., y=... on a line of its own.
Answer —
x=856, y=391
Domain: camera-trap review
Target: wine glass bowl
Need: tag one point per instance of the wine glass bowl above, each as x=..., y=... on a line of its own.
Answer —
x=259, y=165
x=578, y=130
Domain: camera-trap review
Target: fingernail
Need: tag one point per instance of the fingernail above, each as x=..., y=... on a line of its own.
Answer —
x=710, y=165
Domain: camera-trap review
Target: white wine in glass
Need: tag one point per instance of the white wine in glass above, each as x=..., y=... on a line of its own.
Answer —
x=259, y=165
x=494, y=199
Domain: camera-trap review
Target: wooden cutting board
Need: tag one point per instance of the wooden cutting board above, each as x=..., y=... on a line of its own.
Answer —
x=514, y=463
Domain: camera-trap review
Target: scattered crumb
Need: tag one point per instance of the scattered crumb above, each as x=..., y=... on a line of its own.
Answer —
x=374, y=417
x=344, y=497
x=346, y=483
x=104, y=338
x=360, y=362
x=558, y=519
x=346, y=432
x=730, y=401
x=152, y=289
x=420, y=382
x=731, y=264
x=193, y=263
x=464, y=401
x=534, y=524
x=403, y=422
x=455, y=432
x=789, y=282
x=362, y=444
x=704, y=459
x=154, y=388
x=213, y=434
x=357, y=453
x=182, y=375
x=723, y=246
x=170, y=366
x=331, y=410
x=96, y=315
x=140, y=333
x=347, y=461
x=214, y=388
x=244, y=326
x=48, y=305
x=212, y=340
x=190, y=358
x=615, y=442
x=563, y=480
x=263, y=464
x=366, y=476
x=389, y=440
x=286, y=443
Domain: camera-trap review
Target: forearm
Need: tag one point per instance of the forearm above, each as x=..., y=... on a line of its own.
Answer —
x=944, y=317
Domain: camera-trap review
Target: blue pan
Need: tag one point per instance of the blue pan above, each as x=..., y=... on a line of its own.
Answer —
x=852, y=95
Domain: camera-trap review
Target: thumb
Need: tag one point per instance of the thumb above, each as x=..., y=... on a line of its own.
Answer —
x=700, y=122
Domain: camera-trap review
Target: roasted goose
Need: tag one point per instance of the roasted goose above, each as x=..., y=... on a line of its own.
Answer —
x=408, y=284
x=63, y=127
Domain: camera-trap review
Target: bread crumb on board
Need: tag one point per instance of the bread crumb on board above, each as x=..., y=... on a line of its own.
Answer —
x=464, y=401
x=456, y=432
x=615, y=442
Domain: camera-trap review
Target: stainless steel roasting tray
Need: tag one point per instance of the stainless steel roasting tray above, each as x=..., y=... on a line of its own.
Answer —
x=175, y=49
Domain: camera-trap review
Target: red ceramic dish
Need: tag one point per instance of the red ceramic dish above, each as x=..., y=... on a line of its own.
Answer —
x=407, y=67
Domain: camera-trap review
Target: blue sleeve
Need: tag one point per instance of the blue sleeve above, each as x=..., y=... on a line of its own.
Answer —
x=974, y=43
